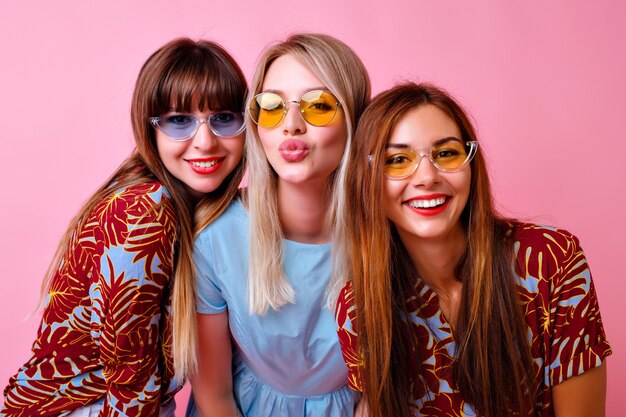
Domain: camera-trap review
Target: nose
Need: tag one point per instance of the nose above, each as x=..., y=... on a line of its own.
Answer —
x=426, y=174
x=204, y=139
x=293, y=124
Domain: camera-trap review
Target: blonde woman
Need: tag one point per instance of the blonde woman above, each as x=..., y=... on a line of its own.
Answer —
x=107, y=344
x=265, y=267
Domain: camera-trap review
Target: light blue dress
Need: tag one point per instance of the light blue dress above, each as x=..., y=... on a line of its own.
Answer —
x=287, y=362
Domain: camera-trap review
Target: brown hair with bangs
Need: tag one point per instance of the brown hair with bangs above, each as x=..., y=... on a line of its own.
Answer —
x=178, y=76
x=493, y=367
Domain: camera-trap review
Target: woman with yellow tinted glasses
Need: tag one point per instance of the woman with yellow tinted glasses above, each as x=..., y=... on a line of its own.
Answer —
x=265, y=270
x=453, y=309
x=318, y=108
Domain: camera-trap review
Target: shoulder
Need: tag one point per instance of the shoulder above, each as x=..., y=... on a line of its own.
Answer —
x=148, y=201
x=232, y=222
x=541, y=235
x=223, y=240
x=543, y=245
x=551, y=267
x=138, y=213
x=150, y=194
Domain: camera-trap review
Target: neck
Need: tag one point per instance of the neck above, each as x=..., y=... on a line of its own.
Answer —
x=303, y=211
x=436, y=261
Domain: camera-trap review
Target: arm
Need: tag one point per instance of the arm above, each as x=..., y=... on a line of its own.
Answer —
x=213, y=383
x=345, y=317
x=570, y=334
x=129, y=343
x=134, y=265
x=578, y=340
x=362, y=409
x=582, y=395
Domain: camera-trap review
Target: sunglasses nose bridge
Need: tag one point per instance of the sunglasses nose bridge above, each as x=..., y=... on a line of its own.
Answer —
x=207, y=139
x=198, y=123
x=419, y=156
x=207, y=122
x=287, y=107
x=427, y=175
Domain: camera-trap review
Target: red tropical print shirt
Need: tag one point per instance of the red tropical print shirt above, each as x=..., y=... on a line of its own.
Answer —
x=105, y=334
x=561, y=311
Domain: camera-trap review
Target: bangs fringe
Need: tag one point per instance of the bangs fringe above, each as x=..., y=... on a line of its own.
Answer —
x=198, y=75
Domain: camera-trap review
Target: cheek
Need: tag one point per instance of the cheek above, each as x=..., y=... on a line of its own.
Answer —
x=467, y=183
x=463, y=186
x=164, y=149
x=235, y=147
x=265, y=139
x=340, y=134
x=333, y=139
x=170, y=151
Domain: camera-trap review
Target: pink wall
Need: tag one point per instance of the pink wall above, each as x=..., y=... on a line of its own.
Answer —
x=545, y=83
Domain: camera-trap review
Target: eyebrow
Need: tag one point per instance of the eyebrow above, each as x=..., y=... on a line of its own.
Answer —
x=282, y=93
x=437, y=142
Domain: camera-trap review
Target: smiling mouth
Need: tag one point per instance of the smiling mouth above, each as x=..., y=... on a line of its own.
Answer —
x=204, y=164
x=432, y=203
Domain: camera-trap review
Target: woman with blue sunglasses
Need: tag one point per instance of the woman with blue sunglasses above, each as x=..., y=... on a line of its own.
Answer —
x=265, y=270
x=107, y=344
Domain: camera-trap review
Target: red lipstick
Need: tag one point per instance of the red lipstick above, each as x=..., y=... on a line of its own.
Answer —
x=428, y=205
x=205, y=166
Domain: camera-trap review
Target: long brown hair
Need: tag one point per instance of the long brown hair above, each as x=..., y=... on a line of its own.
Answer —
x=493, y=367
x=181, y=74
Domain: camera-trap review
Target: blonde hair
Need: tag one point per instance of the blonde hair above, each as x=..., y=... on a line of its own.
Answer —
x=341, y=70
x=178, y=73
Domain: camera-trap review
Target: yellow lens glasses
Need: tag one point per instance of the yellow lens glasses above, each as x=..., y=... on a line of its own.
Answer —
x=318, y=108
x=447, y=155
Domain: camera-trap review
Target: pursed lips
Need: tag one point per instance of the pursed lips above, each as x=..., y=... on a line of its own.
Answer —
x=293, y=150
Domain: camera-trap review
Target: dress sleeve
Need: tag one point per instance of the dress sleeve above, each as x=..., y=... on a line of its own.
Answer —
x=578, y=339
x=571, y=335
x=345, y=315
x=128, y=296
x=209, y=298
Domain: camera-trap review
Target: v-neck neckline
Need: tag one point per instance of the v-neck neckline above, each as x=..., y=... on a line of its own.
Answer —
x=430, y=299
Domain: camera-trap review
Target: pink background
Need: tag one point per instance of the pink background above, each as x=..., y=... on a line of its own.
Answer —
x=544, y=80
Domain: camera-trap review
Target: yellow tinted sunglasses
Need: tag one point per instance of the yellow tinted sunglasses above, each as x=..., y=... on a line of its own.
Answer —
x=318, y=108
x=447, y=155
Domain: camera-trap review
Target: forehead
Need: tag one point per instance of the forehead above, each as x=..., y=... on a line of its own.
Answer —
x=290, y=78
x=187, y=100
x=422, y=126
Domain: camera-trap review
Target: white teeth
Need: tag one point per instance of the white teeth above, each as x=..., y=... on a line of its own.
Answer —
x=204, y=164
x=427, y=203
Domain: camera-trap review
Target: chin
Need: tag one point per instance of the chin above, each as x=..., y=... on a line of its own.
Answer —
x=291, y=177
x=428, y=232
x=200, y=191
